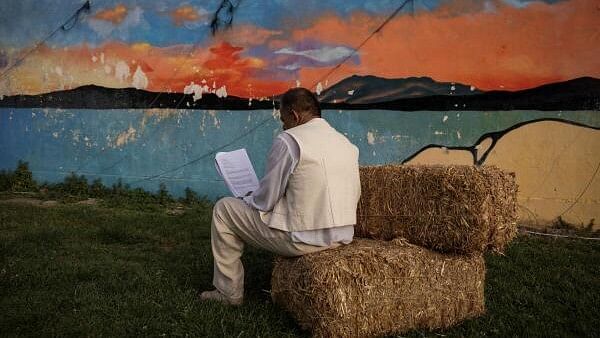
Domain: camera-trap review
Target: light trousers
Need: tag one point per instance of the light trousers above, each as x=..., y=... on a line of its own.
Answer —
x=234, y=223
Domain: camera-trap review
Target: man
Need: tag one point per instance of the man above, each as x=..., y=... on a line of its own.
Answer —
x=306, y=201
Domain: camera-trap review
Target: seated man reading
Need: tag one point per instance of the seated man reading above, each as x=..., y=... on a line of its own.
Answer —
x=306, y=201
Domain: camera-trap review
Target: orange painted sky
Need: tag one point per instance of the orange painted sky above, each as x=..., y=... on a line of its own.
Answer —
x=115, y=15
x=509, y=48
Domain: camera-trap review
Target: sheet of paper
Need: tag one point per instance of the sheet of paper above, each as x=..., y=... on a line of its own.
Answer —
x=237, y=171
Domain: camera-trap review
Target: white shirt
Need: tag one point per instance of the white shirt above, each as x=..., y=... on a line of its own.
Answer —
x=281, y=162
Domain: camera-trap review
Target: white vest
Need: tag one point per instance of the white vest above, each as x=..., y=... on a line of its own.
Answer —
x=324, y=188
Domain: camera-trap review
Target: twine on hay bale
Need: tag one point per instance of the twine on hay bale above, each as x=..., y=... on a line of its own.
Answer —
x=457, y=208
x=372, y=288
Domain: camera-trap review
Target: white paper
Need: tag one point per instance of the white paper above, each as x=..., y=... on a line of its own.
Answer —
x=237, y=171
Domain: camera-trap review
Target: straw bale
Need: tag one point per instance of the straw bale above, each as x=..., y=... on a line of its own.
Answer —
x=372, y=288
x=456, y=208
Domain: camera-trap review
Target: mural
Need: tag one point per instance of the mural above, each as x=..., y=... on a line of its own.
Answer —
x=149, y=91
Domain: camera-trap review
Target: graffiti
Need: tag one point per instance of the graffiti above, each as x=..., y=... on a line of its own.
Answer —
x=486, y=143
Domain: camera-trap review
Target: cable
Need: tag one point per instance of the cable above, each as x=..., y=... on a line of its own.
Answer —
x=557, y=235
x=226, y=5
x=66, y=26
x=151, y=104
x=582, y=192
x=355, y=50
x=214, y=150
x=261, y=123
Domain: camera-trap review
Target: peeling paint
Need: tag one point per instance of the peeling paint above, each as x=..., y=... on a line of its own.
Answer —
x=161, y=113
x=122, y=71
x=140, y=81
x=319, y=88
x=221, y=92
x=370, y=138
x=76, y=134
x=197, y=90
x=125, y=137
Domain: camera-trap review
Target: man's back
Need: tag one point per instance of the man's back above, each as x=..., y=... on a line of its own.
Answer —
x=324, y=188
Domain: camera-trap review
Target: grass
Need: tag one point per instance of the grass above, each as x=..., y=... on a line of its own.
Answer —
x=75, y=270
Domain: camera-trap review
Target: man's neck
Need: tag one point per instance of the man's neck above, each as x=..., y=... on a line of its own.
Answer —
x=309, y=119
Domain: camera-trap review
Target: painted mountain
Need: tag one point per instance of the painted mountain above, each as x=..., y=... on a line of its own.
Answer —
x=577, y=94
x=97, y=97
x=372, y=89
x=353, y=93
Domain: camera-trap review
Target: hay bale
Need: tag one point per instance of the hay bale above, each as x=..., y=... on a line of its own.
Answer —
x=458, y=208
x=372, y=288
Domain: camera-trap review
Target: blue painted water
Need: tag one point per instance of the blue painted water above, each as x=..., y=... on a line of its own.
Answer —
x=137, y=144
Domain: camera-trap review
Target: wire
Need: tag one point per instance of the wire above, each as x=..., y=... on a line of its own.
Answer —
x=226, y=5
x=213, y=151
x=582, y=192
x=557, y=235
x=355, y=50
x=66, y=26
x=263, y=122
x=151, y=104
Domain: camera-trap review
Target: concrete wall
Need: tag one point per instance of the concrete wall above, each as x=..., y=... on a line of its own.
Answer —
x=167, y=46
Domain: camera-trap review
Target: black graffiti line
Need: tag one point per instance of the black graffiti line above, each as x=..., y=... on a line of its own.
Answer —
x=495, y=136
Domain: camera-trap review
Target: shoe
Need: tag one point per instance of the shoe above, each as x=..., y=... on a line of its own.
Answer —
x=216, y=295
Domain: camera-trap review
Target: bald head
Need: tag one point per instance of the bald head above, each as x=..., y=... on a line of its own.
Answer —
x=298, y=106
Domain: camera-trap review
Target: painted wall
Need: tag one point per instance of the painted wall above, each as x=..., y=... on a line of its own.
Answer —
x=456, y=51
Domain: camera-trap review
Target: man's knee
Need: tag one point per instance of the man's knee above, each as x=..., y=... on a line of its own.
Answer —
x=222, y=207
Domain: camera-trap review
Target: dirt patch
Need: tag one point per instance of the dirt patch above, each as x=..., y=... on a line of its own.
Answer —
x=176, y=210
x=23, y=200
x=43, y=203
x=89, y=201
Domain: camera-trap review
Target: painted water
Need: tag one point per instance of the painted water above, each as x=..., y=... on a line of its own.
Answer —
x=177, y=147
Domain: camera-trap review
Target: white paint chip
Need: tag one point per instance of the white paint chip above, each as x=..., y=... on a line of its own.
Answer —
x=122, y=71
x=140, y=81
x=126, y=136
x=370, y=138
x=195, y=89
x=445, y=118
x=221, y=92
x=319, y=88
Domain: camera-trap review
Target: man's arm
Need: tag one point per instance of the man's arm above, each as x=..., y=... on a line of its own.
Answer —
x=280, y=164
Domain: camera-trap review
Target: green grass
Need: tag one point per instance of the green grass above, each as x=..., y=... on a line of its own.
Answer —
x=77, y=270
